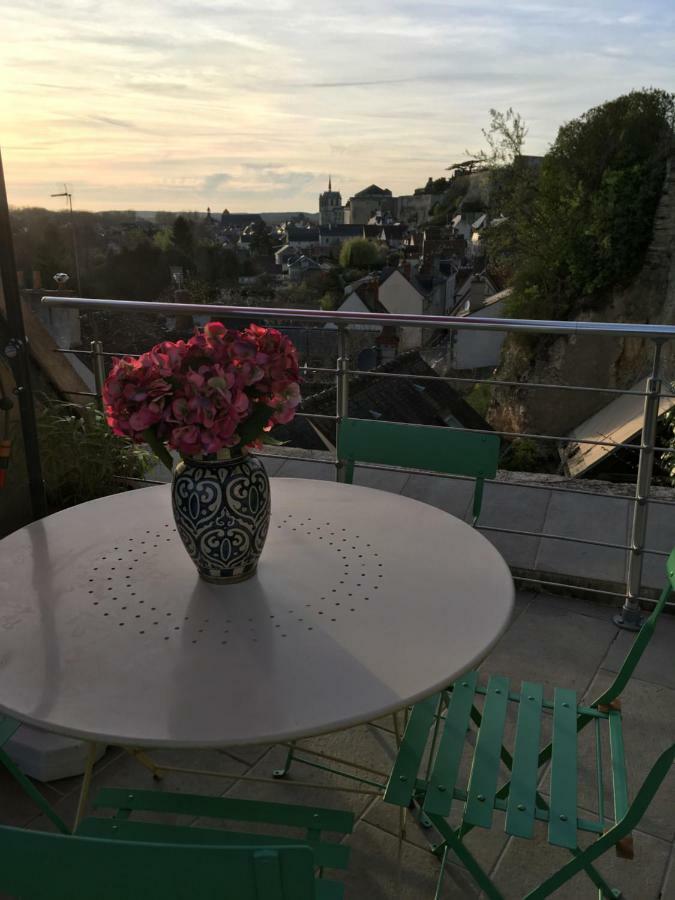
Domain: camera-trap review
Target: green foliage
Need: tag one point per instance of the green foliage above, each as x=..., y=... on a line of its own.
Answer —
x=81, y=457
x=582, y=225
x=479, y=398
x=139, y=272
x=665, y=462
x=121, y=255
x=527, y=455
x=261, y=242
x=163, y=239
x=434, y=186
x=360, y=253
x=329, y=301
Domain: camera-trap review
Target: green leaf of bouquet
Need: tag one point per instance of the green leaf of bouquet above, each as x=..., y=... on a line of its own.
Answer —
x=272, y=441
x=252, y=428
x=158, y=448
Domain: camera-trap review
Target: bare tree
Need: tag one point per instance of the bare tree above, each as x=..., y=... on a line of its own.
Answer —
x=505, y=137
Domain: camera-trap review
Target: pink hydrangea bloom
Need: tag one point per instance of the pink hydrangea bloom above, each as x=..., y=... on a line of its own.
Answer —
x=198, y=395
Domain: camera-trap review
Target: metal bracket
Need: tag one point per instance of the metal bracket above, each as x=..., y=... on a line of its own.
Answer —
x=629, y=619
x=13, y=348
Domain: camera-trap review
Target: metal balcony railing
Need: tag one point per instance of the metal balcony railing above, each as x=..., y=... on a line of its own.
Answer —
x=658, y=335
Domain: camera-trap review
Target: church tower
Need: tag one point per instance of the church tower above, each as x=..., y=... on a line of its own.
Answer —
x=331, y=211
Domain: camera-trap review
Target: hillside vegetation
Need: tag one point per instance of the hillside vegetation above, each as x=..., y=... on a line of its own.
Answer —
x=580, y=225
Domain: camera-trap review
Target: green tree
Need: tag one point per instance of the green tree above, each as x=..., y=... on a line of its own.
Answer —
x=182, y=238
x=54, y=254
x=360, y=253
x=582, y=225
x=140, y=272
x=261, y=242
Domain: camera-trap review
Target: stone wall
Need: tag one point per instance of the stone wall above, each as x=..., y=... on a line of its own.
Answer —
x=597, y=361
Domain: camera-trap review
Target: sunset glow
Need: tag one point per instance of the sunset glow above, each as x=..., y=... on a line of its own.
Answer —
x=181, y=105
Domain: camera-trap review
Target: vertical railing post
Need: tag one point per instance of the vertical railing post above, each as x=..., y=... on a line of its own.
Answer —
x=630, y=616
x=341, y=395
x=98, y=365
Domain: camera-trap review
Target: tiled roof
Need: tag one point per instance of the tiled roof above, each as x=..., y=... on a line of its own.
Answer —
x=239, y=220
x=374, y=191
x=394, y=400
x=301, y=234
x=341, y=230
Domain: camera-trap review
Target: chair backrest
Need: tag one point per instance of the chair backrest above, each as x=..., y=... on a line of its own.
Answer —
x=452, y=451
x=37, y=865
x=642, y=638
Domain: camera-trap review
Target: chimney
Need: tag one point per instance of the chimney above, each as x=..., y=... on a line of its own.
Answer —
x=37, y=280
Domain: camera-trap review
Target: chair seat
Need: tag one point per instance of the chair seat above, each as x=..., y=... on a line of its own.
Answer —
x=445, y=719
x=326, y=854
x=313, y=820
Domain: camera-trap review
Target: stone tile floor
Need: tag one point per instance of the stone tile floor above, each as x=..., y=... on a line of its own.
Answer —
x=572, y=512
x=555, y=640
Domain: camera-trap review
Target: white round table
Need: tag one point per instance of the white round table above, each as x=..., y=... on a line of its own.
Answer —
x=363, y=602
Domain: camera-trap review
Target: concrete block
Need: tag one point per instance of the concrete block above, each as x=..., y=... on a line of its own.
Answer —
x=454, y=495
x=48, y=757
x=306, y=468
x=519, y=508
x=381, y=479
x=592, y=517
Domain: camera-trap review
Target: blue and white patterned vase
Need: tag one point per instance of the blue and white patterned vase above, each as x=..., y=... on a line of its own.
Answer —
x=222, y=513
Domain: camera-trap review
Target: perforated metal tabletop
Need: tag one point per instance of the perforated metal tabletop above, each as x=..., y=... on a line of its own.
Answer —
x=364, y=601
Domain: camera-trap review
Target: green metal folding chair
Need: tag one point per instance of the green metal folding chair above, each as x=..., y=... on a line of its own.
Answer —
x=121, y=859
x=8, y=727
x=451, y=451
x=438, y=727
x=448, y=450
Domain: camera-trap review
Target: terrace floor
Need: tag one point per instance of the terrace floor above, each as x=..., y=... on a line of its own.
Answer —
x=555, y=640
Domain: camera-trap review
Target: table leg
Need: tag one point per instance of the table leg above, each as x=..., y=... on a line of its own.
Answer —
x=86, y=783
x=142, y=757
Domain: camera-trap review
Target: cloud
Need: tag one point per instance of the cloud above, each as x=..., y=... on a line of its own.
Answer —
x=108, y=120
x=168, y=102
x=214, y=181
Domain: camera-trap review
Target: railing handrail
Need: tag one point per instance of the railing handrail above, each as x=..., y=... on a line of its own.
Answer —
x=469, y=323
x=630, y=615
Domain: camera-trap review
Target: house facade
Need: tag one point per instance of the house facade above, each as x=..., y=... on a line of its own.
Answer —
x=478, y=349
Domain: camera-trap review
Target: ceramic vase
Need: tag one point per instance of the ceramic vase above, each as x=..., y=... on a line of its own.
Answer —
x=222, y=513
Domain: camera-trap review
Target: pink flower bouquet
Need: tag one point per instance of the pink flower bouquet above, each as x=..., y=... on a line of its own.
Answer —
x=221, y=391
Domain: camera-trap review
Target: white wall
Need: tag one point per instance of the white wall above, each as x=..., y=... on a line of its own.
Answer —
x=354, y=304
x=478, y=349
x=398, y=295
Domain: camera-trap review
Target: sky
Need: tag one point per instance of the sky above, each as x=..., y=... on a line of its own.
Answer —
x=249, y=105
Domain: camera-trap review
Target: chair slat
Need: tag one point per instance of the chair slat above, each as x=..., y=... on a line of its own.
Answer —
x=404, y=774
x=267, y=868
x=326, y=854
x=521, y=805
x=485, y=769
x=446, y=766
x=562, y=825
x=619, y=779
x=288, y=814
x=329, y=890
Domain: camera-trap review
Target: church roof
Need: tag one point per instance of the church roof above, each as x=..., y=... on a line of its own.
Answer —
x=374, y=191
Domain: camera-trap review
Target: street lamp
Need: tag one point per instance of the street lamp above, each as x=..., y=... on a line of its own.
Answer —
x=69, y=197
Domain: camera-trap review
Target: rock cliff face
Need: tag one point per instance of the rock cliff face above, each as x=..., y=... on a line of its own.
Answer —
x=605, y=362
